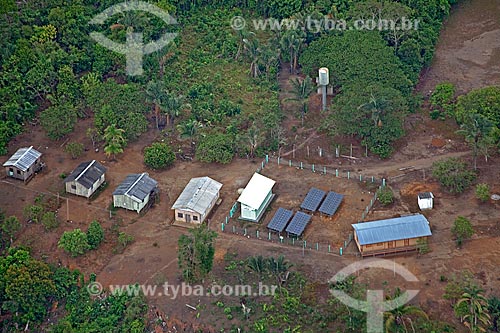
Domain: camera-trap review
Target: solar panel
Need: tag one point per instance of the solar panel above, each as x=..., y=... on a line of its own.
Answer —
x=280, y=219
x=298, y=223
x=313, y=199
x=331, y=203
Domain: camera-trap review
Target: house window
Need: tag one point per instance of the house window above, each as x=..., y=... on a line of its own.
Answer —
x=180, y=215
x=11, y=170
x=73, y=187
x=407, y=242
x=368, y=245
x=195, y=218
x=18, y=172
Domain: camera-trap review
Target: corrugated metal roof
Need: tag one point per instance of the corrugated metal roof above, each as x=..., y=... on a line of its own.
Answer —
x=426, y=195
x=87, y=173
x=23, y=158
x=405, y=227
x=256, y=191
x=198, y=195
x=136, y=186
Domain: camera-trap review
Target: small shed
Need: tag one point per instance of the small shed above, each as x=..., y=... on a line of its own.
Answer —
x=135, y=192
x=256, y=197
x=197, y=200
x=425, y=200
x=85, y=179
x=24, y=163
x=392, y=235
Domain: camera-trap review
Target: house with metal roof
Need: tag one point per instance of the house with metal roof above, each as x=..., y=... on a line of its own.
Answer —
x=256, y=197
x=197, y=200
x=135, y=192
x=389, y=236
x=24, y=164
x=85, y=179
x=425, y=200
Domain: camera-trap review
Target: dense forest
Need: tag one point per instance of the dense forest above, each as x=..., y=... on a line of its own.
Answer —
x=54, y=73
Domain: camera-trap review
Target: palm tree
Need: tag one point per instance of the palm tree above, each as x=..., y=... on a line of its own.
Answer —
x=302, y=88
x=476, y=129
x=292, y=42
x=477, y=318
x=189, y=129
x=173, y=105
x=155, y=93
x=115, y=141
x=402, y=314
x=376, y=107
x=242, y=35
x=251, y=46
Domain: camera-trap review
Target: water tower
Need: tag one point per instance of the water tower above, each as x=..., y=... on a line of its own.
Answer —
x=324, y=80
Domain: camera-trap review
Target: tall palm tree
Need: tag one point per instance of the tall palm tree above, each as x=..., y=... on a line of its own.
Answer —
x=476, y=129
x=302, y=89
x=477, y=318
x=242, y=35
x=402, y=314
x=155, y=93
x=252, y=48
x=292, y=42
x=115, y=141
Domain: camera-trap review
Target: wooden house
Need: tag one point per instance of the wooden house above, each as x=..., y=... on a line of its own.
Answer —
x=135, y=192
x=85, y=179
x=24, y=164
x=256, y=197
x=390, y=236
x=197, y=200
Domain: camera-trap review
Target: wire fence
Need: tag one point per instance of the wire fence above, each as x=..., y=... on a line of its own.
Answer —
x=298, y=242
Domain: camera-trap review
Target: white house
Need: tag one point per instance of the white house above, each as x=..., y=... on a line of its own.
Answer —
x=256, y=197
x=197, y=200
x=425, y=200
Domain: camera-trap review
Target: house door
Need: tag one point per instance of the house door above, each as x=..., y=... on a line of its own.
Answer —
x=188, y=218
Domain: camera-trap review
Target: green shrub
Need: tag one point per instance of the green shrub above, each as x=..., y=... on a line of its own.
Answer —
x=483, y=192
x=385, y=196
x=74, y=242
x=462, y=229
x=33, y=213
x=453, y=174
x=216, y=147
x=442, y=96
x=74, y=149
x=95, y=234
x=125, y=239
x=50, y=220
x=159, y=156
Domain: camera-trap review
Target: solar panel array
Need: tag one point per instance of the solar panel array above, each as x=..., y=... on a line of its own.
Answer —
x=331, y=203
x=280, y=219
x=313, y=199
x=298, y=223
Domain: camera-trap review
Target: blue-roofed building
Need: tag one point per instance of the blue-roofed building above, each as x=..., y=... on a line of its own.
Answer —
x=400, y=234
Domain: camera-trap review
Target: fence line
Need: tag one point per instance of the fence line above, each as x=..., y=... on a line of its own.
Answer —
x=278, y=238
